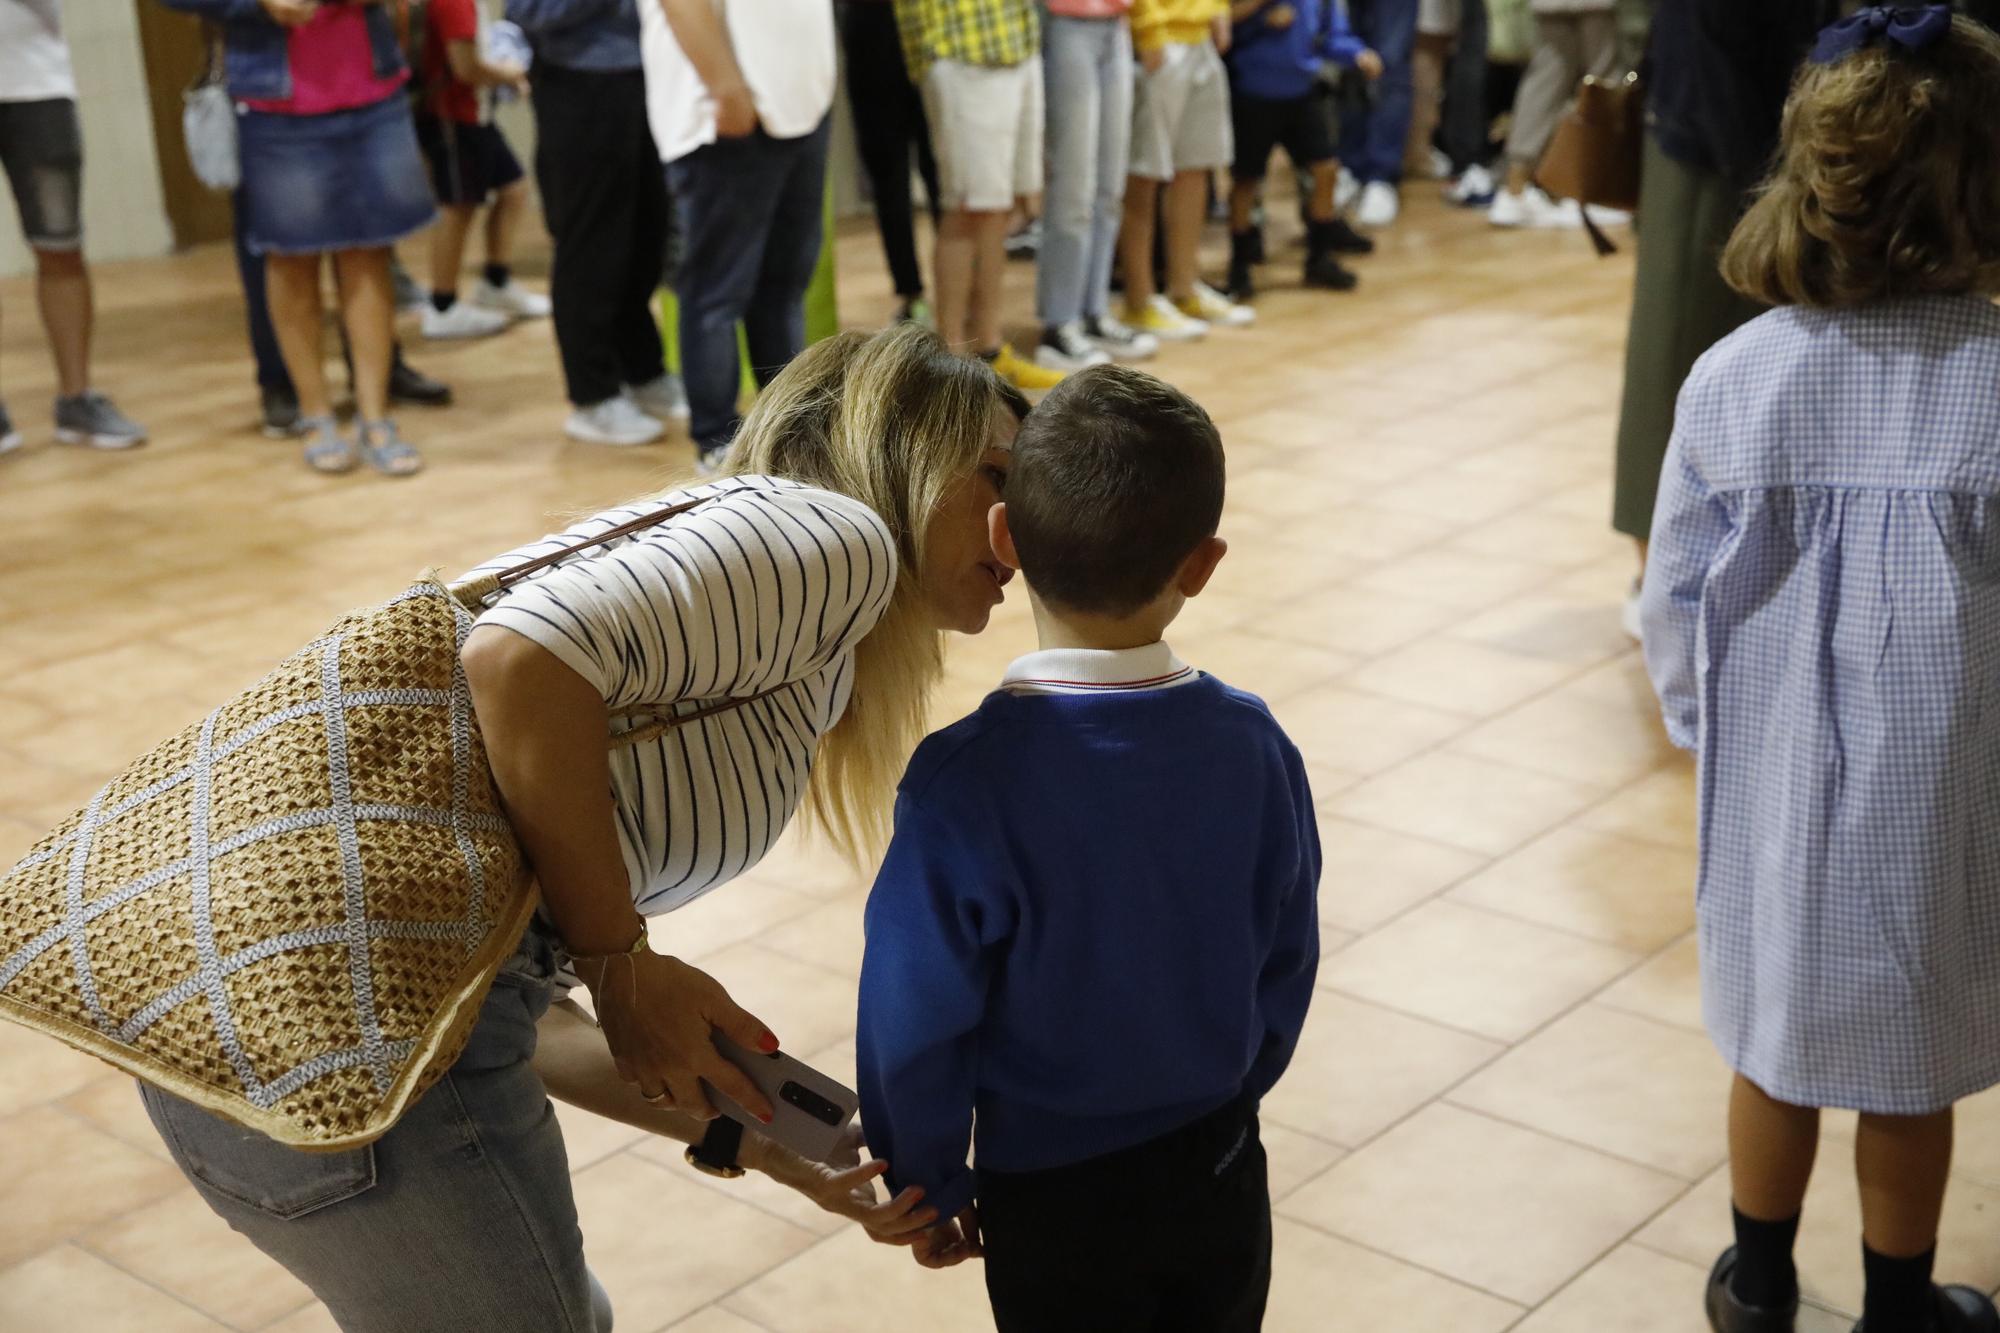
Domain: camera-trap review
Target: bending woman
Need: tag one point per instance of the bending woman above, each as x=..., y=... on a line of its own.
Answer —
x=815, y=582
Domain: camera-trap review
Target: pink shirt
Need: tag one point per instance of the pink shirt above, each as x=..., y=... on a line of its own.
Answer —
x=1090, y=9
x=333, y=65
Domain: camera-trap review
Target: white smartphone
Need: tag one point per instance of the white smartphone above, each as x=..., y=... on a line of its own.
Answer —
x=810, y=1112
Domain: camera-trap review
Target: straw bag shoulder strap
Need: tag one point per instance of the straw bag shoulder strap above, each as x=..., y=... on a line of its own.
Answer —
x=475, y=593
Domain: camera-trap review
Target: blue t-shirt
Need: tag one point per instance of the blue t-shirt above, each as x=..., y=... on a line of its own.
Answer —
x=1097, y=922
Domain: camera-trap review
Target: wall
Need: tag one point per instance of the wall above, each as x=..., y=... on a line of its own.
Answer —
x=124, y=214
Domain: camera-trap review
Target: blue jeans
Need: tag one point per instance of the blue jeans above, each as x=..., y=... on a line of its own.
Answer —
x=750, y=236
x=1087, y=71
x=458, y=1219
x=1371, y=143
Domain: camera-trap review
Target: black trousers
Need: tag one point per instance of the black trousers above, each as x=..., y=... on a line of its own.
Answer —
x=1187, y=1248
x=605, y=200
x=888, y=123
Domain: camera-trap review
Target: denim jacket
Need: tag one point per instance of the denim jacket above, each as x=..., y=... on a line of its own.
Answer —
x=256, y=52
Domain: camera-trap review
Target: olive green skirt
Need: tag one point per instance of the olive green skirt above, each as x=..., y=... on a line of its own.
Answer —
x=1680, y=308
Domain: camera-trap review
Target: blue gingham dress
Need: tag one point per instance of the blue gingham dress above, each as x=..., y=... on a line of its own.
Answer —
x=1822, y=623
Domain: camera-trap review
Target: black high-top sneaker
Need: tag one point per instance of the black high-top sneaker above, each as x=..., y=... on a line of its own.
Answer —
x=1244, y=251
x=1336, y=235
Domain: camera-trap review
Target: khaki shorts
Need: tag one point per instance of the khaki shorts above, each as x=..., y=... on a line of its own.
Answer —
x=1180, y=114
x=986, y=131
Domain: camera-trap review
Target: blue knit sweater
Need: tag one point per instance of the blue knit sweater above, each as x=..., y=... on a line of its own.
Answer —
x=1096, y=923
x=1281, y=64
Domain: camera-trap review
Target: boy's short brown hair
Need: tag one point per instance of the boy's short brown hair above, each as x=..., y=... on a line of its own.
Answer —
x=1117, y=478
x=1888, y=181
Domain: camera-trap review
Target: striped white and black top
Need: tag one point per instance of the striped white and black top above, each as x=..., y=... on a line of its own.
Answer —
x=769, y=584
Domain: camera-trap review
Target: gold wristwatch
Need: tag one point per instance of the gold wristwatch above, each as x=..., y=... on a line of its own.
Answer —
x=716, y=1153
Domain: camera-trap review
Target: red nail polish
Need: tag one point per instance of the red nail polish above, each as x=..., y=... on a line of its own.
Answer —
x=769, y=1044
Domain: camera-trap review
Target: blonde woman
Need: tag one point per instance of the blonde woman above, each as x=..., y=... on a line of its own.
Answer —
x=816, y=581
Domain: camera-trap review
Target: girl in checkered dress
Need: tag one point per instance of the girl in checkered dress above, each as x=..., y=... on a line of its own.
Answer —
x=1822, y=622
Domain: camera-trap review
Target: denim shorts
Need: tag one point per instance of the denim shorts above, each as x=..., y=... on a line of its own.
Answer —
x=347, y=180
x=459, y=1218
x=41, y=150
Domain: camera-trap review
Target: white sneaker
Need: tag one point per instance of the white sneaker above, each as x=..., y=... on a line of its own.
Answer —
x=1608, y=217
x=1510, y=209
x=1121, y=339
x=1212, y=308
x=463, y=320
x=1379, y=206
x=1345, y=190
x=1474, y=188
x=513, y=300
x=1628, y=616
x=1166, y=324
x=1067, y=348
x=665, y=398
x=711, y=461
x=614, y=421
x=1438, y=165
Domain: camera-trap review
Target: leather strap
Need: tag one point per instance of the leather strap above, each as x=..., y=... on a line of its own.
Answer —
x=720, y=1147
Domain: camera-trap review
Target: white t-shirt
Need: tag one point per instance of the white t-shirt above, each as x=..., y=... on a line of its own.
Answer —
x=34, y=59
x=784, y=48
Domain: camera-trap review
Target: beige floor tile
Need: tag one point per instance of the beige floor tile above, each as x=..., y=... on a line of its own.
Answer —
x=829, y=936
x=1542, y=535
x=1579, y=631
x=588, y=1138
x=1369, y=532
x=59, y=1176
x=1659, y=807
x=1459, y=579
x=1465, y=498
x=1477, y=804
x=1354, y=620
x=1361, y=733
x=1371, y=874
x=111, y=1103
x=757, y=1190
x=65, y=1288
x=1267, y=666
x=1294, y=1158
x=843, y=1285
x=1360, y=1068
x=715, y=1319
x=1473, y=970
x=180, y=1246
x=41, y=1069
x=1637, y=895
x=1667, y=989
x=1637, y=1290
x=1320, y=1282
x=1641, y=1090
x=1829, y=1247
x=313, y=1319
x=1494, y=1206
x=1457, y=676
x=658, y=1267
x=806, y=1006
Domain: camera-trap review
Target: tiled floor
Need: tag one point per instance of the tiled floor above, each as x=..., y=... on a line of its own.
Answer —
x=1503, y=1114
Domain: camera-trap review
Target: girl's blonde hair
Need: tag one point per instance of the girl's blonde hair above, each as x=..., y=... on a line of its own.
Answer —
x=894, y=420
x=1888, y=181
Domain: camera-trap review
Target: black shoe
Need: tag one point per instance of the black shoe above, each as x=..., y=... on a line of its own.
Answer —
x=1323, y=270
x=1256, y=234
x=1337, y=237
x=1959, y=1310
x=281, y=414
x=407, y=384
x=1727, y=1314
x=1246, y=250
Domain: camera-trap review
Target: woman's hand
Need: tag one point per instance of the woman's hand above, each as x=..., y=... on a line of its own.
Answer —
x=659, y=1016
x=845, y=1188
x=291, y=13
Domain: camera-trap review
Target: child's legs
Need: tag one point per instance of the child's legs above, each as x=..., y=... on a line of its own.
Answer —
x=1242, y=203
x=1771, y=1149
x=1902, y=1163
x=503, y=222
x=1187, y=209
x=1325, y=179
x=368, y=312
x=454, y=224
x=1048, y=1268
x=1069, y=55
x=1135, y=239
x=958, y=240
x=292, y=294
x=976, y=115
x=983, y=318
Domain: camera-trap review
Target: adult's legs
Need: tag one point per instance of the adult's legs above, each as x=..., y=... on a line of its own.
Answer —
x=774, y=324
x=1114, y=154
x=368, y=313
x=1545, y=89
x=642, y=355
x=1070, y=63
x=1372, y=144
x=1465, y=121
x=724, y=193
x=879, y=93
x=292, y=289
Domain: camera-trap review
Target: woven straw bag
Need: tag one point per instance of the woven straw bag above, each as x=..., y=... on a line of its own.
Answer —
x=290, y=913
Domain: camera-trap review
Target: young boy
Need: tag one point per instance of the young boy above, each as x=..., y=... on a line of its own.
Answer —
x=1180, y=135
x=1096, y=925
x=978, y=65
x=1275, y=97
x=471, y=165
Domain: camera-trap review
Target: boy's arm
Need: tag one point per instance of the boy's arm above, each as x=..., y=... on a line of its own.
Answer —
x=697, y=25
x=932, y=924
x=1690, y=528
x=469, y=66
x=1340, y=44
x=1285, y=987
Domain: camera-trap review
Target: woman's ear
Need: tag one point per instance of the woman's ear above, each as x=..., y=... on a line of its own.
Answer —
x=1001, y=536
x=1200, y=565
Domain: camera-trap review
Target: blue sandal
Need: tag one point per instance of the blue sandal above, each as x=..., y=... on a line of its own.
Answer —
x=387, y=451
x=327, y=450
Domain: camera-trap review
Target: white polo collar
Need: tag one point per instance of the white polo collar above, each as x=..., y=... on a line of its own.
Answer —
x=1098, y=671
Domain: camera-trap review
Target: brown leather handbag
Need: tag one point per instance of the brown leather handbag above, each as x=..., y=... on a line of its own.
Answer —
x=1595, y=155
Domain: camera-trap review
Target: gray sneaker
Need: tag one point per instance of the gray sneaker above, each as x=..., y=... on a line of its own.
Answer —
x=10, y=439
x=91, y=418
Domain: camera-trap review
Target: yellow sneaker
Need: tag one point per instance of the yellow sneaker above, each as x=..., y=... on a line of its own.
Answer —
x=1212, y=307
x=1022, y=373
x=1159, y=318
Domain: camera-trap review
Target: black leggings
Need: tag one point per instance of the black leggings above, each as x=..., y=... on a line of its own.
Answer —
x=888, y=123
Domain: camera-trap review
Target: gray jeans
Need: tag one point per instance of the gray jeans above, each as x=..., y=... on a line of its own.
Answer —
x=1087, y=73
x=1567, y=47
x=458, y=1220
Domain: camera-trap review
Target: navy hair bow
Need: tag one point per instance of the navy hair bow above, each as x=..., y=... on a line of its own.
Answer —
x=1910, y=28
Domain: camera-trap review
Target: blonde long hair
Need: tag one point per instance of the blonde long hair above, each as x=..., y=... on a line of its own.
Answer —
x=894, y=420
